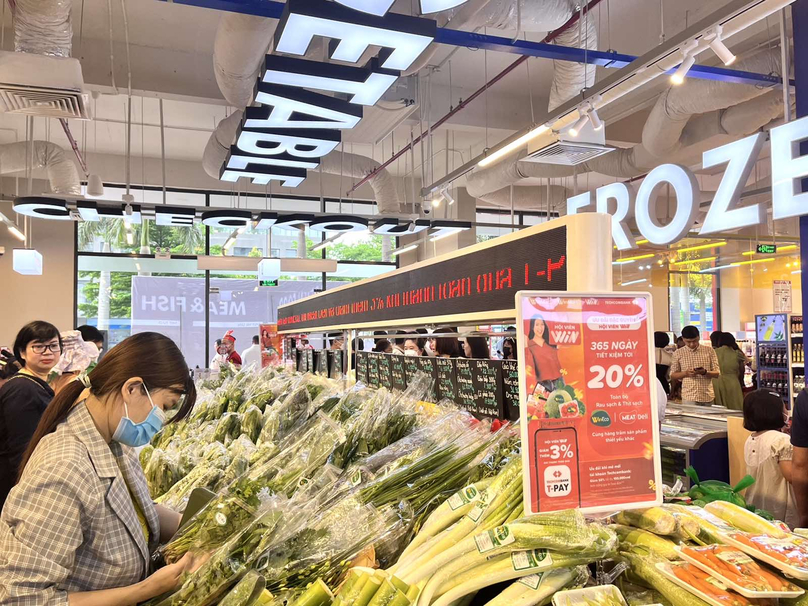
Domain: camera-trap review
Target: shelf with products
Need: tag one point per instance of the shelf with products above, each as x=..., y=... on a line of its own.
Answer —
x=776, y=353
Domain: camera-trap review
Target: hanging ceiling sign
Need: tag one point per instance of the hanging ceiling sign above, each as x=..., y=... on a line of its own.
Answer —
x=293, y=126
x=726, y=212
x=178, y=216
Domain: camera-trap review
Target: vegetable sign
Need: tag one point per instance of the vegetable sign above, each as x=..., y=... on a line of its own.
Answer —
x=590, y=434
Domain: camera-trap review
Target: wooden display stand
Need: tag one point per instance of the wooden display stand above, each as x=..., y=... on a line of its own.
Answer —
x=736, y=438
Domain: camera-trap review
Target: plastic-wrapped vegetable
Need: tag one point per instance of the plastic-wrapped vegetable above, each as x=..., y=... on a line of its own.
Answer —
x=744, y=520
x=176, y=497
x=145, y=455
x=252, y=423
x=237, y=467
x=652, y=519
x=246, y=592
x=229, y=427
x=162, y=472
x=285, y=415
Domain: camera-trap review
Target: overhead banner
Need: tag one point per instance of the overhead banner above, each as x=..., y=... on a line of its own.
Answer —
x=481, y=281
x=590, y=432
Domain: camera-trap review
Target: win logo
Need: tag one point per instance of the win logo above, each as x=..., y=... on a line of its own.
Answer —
x=565, y=337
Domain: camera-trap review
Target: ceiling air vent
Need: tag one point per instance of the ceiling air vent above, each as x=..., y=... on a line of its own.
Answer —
x=568, y=153
x=567, y=150
x=38, y=85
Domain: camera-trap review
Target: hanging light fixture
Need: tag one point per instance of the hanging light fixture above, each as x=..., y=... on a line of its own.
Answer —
x=719, y=48
x=12, y=228
x=688, y=60
x=580, y=123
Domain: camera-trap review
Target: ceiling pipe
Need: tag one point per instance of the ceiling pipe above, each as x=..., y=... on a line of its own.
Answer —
x=463, y=104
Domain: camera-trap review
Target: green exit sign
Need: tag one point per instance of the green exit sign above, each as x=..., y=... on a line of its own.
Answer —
x=767, y=249
x=268, y=283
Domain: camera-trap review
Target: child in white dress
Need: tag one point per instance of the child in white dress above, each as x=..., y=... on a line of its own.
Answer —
x=768, y=456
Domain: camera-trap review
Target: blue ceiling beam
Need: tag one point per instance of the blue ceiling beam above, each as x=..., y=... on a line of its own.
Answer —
x=272, y=9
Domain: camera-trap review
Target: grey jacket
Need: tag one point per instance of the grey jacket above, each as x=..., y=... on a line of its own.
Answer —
x=70, y=524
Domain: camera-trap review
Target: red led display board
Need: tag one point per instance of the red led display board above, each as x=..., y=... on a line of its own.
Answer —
x=484, y=280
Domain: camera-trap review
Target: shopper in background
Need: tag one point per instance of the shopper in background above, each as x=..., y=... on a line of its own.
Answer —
x=383, y=346
x=662, y=359
x=727, y=386
x=77, y=357
x=428, y=351
x=398, y=343
x=509, y=349
x=680, y=342
x=25, y=396
x=251, y=357
x=476, y=347
x=229, y=344
x=91, y=334
x=414, y=347
x=715, y=339
x=378, y=335
x=336, y=340
x=9, y=366
x=218, y=358
x=799, y=462
x=696, y=365
x=447, y=347
x=742, y=359
x=768, y=454
x=541, y=355
x=80, y=527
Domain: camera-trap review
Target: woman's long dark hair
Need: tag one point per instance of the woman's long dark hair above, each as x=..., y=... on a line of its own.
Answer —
x=479, y=348
x=149, y=355
x=545, y=333
x=447, y=346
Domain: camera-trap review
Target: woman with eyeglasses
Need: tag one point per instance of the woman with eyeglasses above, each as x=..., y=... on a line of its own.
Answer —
x=24, y=397
x=80, y=528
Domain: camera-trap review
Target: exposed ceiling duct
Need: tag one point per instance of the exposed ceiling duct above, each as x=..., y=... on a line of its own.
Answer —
x=24, y=155
x=685, y=121
x=42, y=27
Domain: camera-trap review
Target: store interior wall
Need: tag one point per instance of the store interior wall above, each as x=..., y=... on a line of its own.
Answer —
x=47, y=297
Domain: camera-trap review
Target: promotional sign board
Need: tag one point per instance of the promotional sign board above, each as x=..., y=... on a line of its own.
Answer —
x=482, y=280
x=271, y=345
x=590, y=433
x=781, y=290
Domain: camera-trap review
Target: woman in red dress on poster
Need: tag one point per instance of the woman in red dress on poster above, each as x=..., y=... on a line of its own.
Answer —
x=541, y=355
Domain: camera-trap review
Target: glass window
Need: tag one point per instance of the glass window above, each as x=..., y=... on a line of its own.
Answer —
x=151, y=196
x=362, y=246
x=692, y=301
x=113, y=235
x=130, y=295
x=266, y=202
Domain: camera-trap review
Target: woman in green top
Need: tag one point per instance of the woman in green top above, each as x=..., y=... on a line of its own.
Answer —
x=727, y=386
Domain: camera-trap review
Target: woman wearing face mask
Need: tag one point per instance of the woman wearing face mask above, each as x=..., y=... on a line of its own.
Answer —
x=509, y=349
x=414, y=347
x=79, y=527
x=25, y=396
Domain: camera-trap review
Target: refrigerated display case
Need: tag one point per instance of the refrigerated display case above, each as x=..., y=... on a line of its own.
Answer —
x=797, y=356
x=695, y=436
x=774, y=353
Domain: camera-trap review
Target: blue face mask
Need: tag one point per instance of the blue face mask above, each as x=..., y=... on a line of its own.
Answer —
x=139, y=434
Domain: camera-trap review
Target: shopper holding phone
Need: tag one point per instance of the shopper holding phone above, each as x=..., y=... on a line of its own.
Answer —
x=696, y=366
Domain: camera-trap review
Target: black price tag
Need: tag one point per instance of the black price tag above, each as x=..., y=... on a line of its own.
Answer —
x=385, y=370
x=399, y=374
x=446, y=379
x=487, y=378
x=427, y=366
x=373, y=369
x=335, y=365
x=362, y=367
x=322, y=363
x=510, y=388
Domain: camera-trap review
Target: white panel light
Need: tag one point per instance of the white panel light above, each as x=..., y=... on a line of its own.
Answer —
x=520, y=142
x=434, y=6
x=303, y=20
x=27, y=262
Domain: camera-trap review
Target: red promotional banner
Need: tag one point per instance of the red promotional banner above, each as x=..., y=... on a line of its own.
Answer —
x=590, y=434
x=271, y=345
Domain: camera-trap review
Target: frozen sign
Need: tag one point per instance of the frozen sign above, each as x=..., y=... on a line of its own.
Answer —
x=726, y=212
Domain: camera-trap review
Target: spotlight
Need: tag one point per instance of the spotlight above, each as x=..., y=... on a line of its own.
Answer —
x=436, y=201
x=689, y=58
x=597, y=123
x=445, y=193
x=720, y=49
x=579, y=123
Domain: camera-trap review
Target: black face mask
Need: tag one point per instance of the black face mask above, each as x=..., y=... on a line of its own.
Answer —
x=506, y=352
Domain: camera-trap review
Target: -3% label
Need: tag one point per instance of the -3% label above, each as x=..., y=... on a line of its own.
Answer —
x=615, y=376
x=561, y=451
